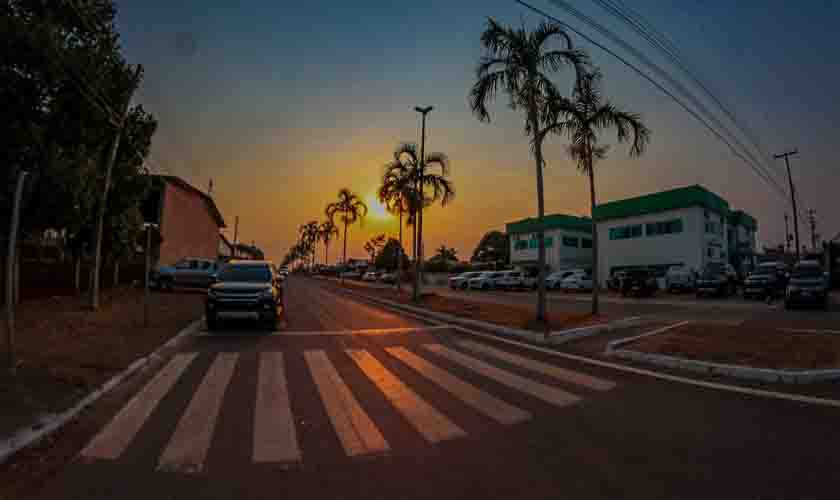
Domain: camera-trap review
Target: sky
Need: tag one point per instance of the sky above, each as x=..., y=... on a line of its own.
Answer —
x=281, y=104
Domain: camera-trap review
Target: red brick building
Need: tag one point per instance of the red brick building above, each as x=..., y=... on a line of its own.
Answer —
x=188, y=219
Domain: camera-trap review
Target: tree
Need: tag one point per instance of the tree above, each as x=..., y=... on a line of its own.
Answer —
x=444, y=253
x=308, y=234
x=519, y=63
x=430, y=186
x=581, y=119
x=399, y=196
x=391, y=254
x=494, y=246
x=373, y=246
x=349, y=209
x=326, y=232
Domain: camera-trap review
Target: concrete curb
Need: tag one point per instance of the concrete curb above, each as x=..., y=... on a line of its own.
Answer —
x=563, y=336
x=47, y=424
x=619, y=342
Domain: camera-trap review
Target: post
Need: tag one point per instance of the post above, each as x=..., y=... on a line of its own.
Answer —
x=786, y=156
x=419, y=191
x=787, y=235
x=812, y=221
x=103, y=202
x=146, y=294
x=11, y=257
x=235, y=236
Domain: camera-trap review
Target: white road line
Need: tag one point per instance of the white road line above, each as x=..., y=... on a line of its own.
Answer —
x=112, y=441
x=319, y=333
x=433, y=425
x=810, y=330
x=275, y=438
x=541, y=391
x=485, y=403
x=188, y=447
x=572, y=376
x=357, y=433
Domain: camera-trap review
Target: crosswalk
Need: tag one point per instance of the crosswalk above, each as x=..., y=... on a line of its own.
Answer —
x=275, y=436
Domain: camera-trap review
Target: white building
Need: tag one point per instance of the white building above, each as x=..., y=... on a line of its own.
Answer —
x=742, y=235
x=685, y=226
x=568, y=241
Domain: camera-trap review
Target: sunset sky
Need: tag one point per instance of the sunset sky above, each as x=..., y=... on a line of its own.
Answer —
x=282, y=103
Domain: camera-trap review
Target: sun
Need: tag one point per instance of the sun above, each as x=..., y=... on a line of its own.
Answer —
x=375, y=208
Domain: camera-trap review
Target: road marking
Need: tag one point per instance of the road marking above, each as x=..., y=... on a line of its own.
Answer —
x=541, y=391
x=810, y=330
x=275, y=438
x=574, y=377
x=429, y=422
x=485, y=403
x=319, y=333
x=187, y=449
x=114, y=439
x=357, y=433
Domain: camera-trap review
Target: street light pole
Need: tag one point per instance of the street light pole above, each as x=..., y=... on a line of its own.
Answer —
x=786, y=156
x=419, y=190
x=11, y=260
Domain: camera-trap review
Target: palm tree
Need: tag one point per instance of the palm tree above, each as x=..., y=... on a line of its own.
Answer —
x=399, y=196
x=349, y=209
x=519, y=63
x=430, y=186
x=309, y=237
x=580, y=119
x=326, y=232
x=445, y=253
x=373, y=245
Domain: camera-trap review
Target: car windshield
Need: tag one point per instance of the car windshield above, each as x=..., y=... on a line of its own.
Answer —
x=249, y=274
x=809, y=272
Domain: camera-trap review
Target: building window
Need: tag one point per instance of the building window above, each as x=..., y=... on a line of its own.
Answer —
x=520, y=245
x=625, y=232
x=710, y=252
x=666, y=227
x=569, y=241
x=585, y=243
x=549, y=242
x=714, y=228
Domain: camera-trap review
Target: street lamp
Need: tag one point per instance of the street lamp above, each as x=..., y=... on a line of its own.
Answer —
x=418, y=188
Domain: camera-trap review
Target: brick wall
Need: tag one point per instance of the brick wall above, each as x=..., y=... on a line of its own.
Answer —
x=187, y=227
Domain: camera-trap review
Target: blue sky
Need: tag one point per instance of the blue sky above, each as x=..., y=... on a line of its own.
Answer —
x=283, y=103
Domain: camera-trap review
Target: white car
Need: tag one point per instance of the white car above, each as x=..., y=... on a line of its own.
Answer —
x=679, y=278
x=370, y=276
x=509, y=280
x=461, y=281
x=578, y=281
x=553, y=280
x=483, y=281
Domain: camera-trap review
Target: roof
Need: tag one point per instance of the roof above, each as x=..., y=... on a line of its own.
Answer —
x=211, y=205
x=673, y=199
x=741, y=218
x=554, y=221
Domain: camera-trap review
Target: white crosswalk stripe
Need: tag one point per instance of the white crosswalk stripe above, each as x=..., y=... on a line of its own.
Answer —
x=356, y=431
x=433, y=425
x=547, y=393
x=275, y=437
x=188, y=447
x=113, y=440
x=572, y=376
x=485, y=403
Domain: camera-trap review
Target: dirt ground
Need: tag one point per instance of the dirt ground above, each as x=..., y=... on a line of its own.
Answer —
x=746, y=345
x=64, y=350
x=500, y=314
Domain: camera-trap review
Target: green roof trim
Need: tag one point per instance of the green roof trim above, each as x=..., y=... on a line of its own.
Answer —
x=690, y=196
x=555, y=221
x=741, y=218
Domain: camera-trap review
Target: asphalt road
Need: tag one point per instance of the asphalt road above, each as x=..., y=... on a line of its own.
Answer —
x=350, y=401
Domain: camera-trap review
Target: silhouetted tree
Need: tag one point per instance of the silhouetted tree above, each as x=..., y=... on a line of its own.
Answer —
x=349, y=209
x=494, y=246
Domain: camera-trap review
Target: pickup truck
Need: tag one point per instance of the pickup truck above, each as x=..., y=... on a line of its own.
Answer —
x=187, y=272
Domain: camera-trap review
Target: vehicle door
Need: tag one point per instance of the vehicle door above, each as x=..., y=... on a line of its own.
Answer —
x=184, y=270
x=206, y=269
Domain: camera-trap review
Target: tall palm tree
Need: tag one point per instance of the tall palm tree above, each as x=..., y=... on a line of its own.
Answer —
x=581, y=119
x=309, y=237
x=520, y=62
x=399, y=196
x=326, y=232
x=431, y=186
x=445, y=253
x=349, y=209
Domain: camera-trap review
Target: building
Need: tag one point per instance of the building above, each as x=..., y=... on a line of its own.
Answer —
x=187, y=218
x=687, y=226
x=568, y=241
x=741, y=231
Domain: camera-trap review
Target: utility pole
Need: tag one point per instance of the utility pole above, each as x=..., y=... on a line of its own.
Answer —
x=786, y=156
x=787, y=235
x=812, y=221
x=419, y=190
x=103, y=202
x=11, y=260
x=235, y=236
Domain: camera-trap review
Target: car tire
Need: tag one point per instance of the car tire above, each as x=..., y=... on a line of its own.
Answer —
x=212, y=323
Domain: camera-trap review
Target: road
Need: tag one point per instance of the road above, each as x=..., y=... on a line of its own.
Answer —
x=350, y=401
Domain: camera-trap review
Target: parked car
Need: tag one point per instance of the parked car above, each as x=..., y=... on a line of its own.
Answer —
x=509, y=280
x=614, y=283
x=577, y=281
x=679, y=278
x=715, y=281
x=187, y=272
x=461, y=281
x=388, y=278
x=553, y=280
x=351, y=275
x=808, y=285
x=244, y=289
x=484, y=281
x=371, y=276
x=638, y=282
x=766, y=280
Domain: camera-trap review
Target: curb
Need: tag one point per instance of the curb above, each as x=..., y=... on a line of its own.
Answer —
x=563, y=336
x=47, y=424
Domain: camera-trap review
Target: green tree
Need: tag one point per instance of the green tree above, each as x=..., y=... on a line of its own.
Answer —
x=520, y=63
x=327, y=231
x=308, y=237
x=373, y=245
x=494, y=246
x=349, y=209
x=391, y=254
x=581, y=119
x=445, y=254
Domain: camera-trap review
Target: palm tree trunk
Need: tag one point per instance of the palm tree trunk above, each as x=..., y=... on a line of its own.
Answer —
x=344, y=261
x=538, y=160
x=399, y=256
x=595, y=282
x=326, y=253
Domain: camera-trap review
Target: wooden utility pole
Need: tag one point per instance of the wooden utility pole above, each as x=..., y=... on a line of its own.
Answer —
x=103, y=202
x=786, y=156
x=812, y=222
x=11, y=260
